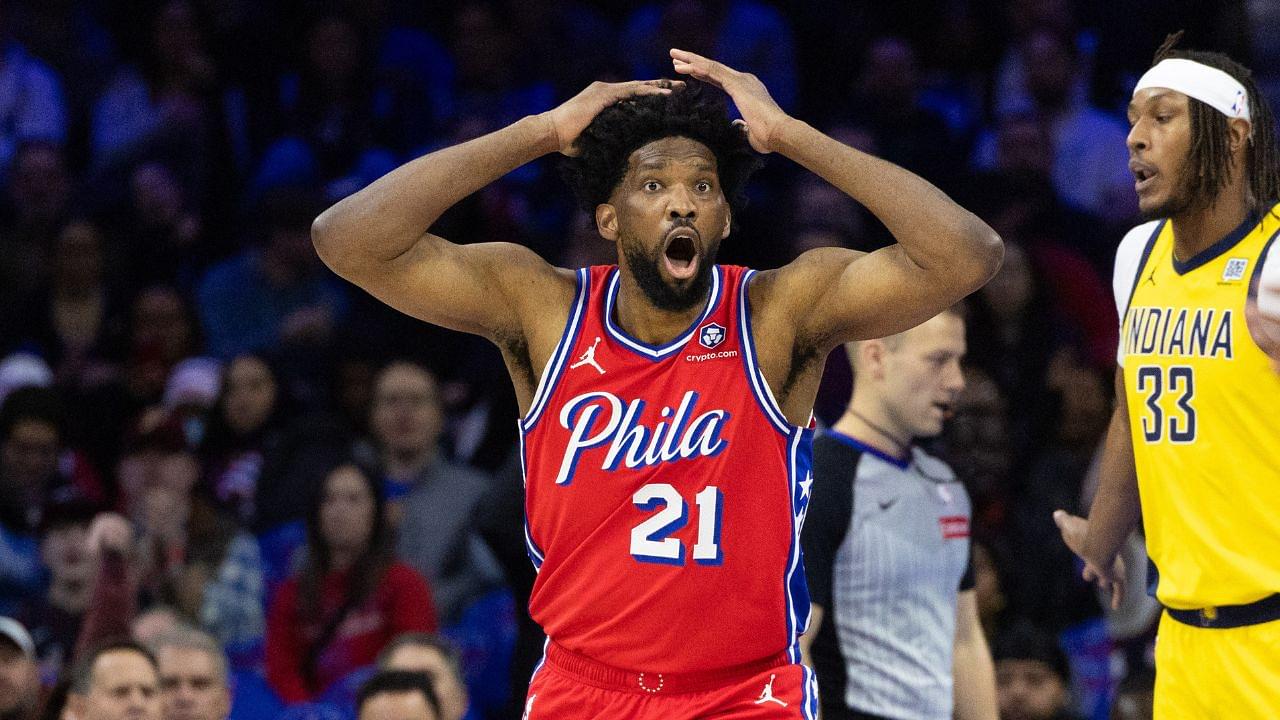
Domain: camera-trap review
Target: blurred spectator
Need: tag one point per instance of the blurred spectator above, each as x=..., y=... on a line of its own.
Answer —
x=398, y=695
x=167, y=105
x=19, y=676
x=31, y=104
x=55, y=616
x=71, y=38
x=886, y=100
x=490, y=92
x=274, y=294
x=437, y=658
x=567, y=42
x=979, y=448
x=1014, y=335
x=190, y=556
x=1090, y=164
x=35, y=468
x=36, y=199
x=825, y=217
x=748, y=35
x=1048, y=588
x=350, y=597
x=246, y=422
x=194, y=679
x=162, y=331
x=436, y=499
x=1032, y=675
x=161, y=230
x=77, y=321
x=118, y=680
x=339, y=122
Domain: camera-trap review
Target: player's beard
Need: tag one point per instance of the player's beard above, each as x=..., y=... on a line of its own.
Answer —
x=646, y=271
x=1179, y=202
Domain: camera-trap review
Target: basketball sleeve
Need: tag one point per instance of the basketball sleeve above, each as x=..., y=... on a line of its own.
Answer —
x=1125, y=276
x=827, y=521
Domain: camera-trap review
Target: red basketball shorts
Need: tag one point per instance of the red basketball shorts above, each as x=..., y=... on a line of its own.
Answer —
x=567, y=685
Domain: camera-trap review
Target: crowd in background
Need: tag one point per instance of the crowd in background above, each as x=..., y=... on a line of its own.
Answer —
x=306, y=475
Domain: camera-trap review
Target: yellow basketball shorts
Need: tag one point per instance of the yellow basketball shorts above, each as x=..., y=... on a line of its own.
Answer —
x=1217, y=674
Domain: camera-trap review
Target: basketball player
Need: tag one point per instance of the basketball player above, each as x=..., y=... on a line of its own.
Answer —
x=1193, y=452
x=664, y=441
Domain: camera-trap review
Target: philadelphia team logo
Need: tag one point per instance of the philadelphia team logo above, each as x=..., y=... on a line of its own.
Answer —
x=711, y=335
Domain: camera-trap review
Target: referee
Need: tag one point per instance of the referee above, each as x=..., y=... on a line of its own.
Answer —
x=895, y=630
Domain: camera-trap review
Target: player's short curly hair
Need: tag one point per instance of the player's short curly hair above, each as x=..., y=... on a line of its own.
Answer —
x=693, y=112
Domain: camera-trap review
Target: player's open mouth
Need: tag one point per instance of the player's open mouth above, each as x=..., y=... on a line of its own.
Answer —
x=1143, y=174
x=681, y=253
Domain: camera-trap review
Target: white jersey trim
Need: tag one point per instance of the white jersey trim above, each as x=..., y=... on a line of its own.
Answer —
x=1129, y=257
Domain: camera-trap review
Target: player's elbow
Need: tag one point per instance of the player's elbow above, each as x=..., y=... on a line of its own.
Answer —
x=985, y=257
x=327, y=238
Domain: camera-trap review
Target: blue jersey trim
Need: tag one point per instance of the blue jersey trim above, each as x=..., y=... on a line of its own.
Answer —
x=536, y=555
x=809, y=706
x=795, y=587
x=645, y=350
x=555, y=365
x=759, y=386
x=856, y=444
x=1217, y=249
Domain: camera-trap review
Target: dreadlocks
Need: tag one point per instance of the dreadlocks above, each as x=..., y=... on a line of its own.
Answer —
x=1210, y=161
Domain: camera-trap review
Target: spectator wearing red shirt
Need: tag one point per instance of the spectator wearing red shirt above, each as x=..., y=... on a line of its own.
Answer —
x=350, y=598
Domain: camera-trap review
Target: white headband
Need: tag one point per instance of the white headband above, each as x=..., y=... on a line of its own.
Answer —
x=1210, y=86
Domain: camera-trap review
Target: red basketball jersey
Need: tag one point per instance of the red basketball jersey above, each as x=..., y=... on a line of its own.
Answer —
x=664, y=491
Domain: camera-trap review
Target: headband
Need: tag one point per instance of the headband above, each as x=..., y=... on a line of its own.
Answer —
x=1210, y=86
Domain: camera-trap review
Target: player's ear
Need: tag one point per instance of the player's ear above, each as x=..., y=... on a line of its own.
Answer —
x=728, y=224
x=1239, y=131
x=607, y=221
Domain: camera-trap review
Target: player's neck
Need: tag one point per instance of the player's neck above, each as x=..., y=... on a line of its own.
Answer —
x=638, y=316
x=868, y=422
x=1196, y=231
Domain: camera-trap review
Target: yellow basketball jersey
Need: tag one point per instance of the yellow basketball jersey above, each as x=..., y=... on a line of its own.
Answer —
x=1204, y=411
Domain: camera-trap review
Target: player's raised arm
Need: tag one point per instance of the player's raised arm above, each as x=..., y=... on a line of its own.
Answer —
x=378, y=237
x=944, y=252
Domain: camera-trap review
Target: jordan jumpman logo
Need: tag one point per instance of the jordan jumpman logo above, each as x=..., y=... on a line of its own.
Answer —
x=589, y=358
x=766, y=695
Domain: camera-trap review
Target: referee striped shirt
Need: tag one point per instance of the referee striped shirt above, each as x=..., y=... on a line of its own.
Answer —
x=886, y=548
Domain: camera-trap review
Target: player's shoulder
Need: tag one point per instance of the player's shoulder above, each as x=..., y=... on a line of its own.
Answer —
x=1135, y=241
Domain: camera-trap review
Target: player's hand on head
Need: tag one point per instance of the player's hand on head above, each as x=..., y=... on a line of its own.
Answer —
x=574, y=115
x=1111, y=579
x=761, y=116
